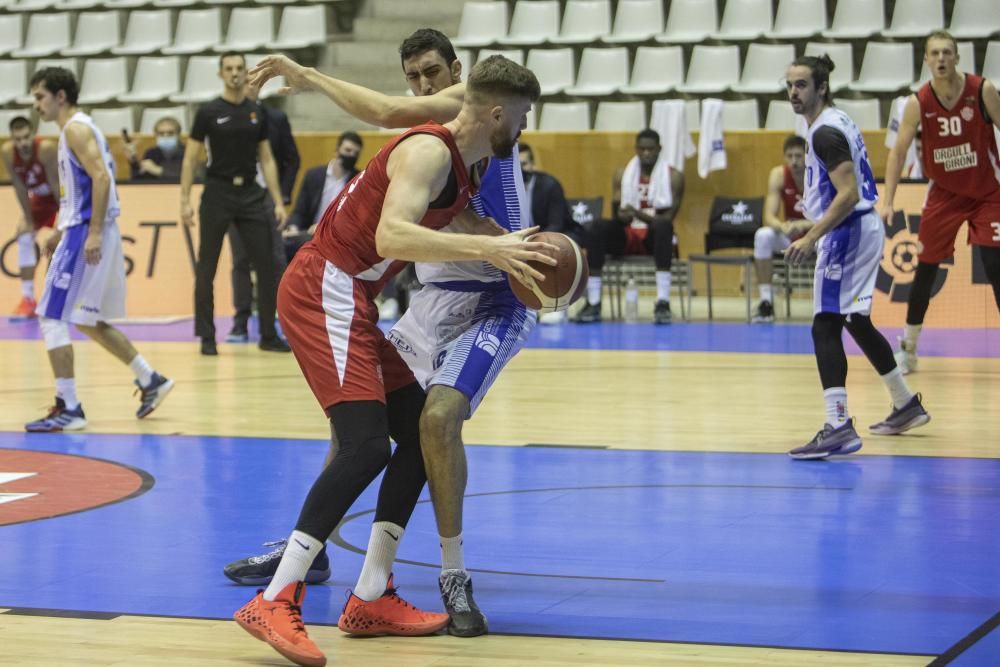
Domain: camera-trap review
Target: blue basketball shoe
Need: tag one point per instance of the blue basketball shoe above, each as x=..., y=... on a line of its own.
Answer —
x=259, y=570
x=829, y=441
x=59, y=419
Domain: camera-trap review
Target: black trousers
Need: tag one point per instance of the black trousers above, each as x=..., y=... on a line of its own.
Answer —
x=607, y=237
x=222, y=205
x=242, y=285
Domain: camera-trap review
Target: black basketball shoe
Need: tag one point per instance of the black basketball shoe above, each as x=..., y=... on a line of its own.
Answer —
x=259, y=570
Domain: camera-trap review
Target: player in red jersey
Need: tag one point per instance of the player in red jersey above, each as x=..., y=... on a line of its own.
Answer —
x=955, y=113
x=418, y=183
x=31, y=162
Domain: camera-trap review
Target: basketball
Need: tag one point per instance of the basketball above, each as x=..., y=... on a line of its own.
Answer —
x=564, y=283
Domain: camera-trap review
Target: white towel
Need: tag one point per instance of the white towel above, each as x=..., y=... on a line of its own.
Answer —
x=670, y=123
x=911, y=166
x=711, y=147
x=660, y=195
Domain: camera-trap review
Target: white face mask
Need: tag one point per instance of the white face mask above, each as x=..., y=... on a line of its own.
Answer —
x=167, y=144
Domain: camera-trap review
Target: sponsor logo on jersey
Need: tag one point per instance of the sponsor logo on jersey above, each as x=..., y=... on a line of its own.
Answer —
x=63, y=281
x=833, y=272
x=486, y=340
x=955, y=158
x=400, y=343
x=966, y=113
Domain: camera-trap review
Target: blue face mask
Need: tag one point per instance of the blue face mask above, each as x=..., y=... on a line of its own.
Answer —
x=167, y=144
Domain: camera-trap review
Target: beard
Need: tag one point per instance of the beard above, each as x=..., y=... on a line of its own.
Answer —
x=501, y=144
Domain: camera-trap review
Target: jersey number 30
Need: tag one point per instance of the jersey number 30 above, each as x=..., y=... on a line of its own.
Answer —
x=950, y=126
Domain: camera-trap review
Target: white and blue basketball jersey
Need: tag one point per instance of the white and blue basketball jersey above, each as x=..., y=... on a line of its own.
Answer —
x=819, y=190
x=75, y=185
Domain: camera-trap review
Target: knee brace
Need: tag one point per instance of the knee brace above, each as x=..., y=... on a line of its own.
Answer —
x=763, y=243
x=830, y=356
x=871, y=341
x=26, y=255
x=54, y=332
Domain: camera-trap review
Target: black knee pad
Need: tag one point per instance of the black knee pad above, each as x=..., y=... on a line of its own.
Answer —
x=826, y=326
x=872, y=342
x=362, y=435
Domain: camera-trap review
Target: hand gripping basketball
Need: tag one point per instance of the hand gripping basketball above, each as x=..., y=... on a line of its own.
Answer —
x=564, y=280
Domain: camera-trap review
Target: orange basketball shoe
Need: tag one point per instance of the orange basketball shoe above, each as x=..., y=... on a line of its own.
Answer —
x=279, y=623
x=25, y=310
x=389, y=615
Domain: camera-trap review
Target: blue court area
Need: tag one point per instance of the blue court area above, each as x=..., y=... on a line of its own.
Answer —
x=879, y=554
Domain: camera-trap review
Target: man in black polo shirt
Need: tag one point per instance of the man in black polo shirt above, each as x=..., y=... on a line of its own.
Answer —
x=234, y=131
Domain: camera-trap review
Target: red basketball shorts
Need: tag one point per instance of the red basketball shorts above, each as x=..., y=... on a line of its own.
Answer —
x=330, y=321
x=944, y=212
x=44, y=214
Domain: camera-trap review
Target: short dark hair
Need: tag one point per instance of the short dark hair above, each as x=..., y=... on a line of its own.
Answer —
x=424, y=40
x=821, y=67
x=526, y=148
x=352, y=136
x=501, y=77
x=54, y=79
x=18, y=122
x=941, y=34
x=232, y=54
x=648, y=134
x=168, y=119
x=793, y=141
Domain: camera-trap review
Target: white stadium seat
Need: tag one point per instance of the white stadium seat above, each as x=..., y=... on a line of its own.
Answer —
x=249, y=28
x=112, y=121
x=745, y=20
x=689, y=21
x=620, y=117
x=798, y=19
x=146, y=31
x=156, y=78
x=301, y=26
x=565, y=117
x=636, y=21
x=780, y=116
x=915, y=18
x=765, y=67
x=854, y=19
x=103, y=80
x=96, y=32
x=584, y=21
x=533, y=23
x=553, y=68
x=13, y=82
x=740, y=115
x=974, y=19
x=843, y=60
x=482, y=23
x=197, y=30
x=11, y=35
x=201, y=80
x=602, y=71
x=864, y=113
x=657, y=70
x=47, y=34
x=713, y=69
x=887, y=67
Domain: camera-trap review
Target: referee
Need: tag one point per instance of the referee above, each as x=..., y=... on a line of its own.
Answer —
x=234, y=132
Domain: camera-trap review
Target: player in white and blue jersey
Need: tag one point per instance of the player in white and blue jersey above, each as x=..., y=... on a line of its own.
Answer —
x=847, y=236
x=85, y=283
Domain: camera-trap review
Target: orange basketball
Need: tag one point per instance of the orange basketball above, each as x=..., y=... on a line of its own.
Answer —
x=564, y=283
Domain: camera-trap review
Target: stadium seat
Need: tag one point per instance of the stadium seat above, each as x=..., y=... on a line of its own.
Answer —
x=47, y=34
x=124, y=4
x=864, y=113
x=11, y=35
x=636, y=21
x=779, y=116
x=966, y=63
x=48, y=128
x=30, y=5
x=974, y=19
x=112, y=121
x=7, y=115
x=745, y=20
x=887, y=67
x=657, y=70
x=713, y=69
x=156, y=78
x=843, y=59
x=150, y=116
x=482, y=23
x=77, y=5
x=915, y=18
x=764, y=68
x=517, y=55
x=197, y=30
x=13, y=82
x=533, y=23
x=692, y=114
x=584, y=21
x=602, y=71
x=177, y=4
x=798, y=19
x=565, y=117
x=96, y=32
x=740, y=115
x=991, y=63
x=689, y=21
x=201, y=80
x=464, y=56
x=553, y=68
x=270, y=88
x=620, y=117
x=103, y=80
x=66, y=63
x=249, y=28
x=854, y=19
x=146, y=31
x=301, y=26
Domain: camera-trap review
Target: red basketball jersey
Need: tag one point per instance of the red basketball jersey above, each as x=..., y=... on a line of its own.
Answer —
x=31, y=172
x=959, y=150
x=791, y=197
x=346, y=233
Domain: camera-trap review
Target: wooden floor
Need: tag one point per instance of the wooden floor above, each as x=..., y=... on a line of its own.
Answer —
x=628, y=400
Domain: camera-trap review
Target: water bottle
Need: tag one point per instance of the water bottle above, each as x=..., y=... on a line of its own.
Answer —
x=631, y=300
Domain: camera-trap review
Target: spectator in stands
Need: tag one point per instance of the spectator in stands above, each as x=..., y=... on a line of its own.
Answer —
x=647, y=194
x=547, y=209
x=161, y=163
x=286, y=159
x=784, y=220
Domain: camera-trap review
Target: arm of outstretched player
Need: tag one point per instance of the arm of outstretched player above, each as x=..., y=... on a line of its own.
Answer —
x=418, y=172
x=362, y=103
x=908, y=126
x=20, y=189
x=81, y=140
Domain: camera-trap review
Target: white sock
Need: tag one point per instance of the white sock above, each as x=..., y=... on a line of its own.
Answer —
x=836, y=406
x=143, y=371
x=766, y=292
x=66, y=390
x=452, y=557
x=663, y=286
x=897, y=387
x=594, y=290
x=911, y=332
x=382, y=546
x=295, y=562
x=28, y=288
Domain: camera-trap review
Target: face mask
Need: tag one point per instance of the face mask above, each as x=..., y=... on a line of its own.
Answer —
x=348, y=161
x=167, y=144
